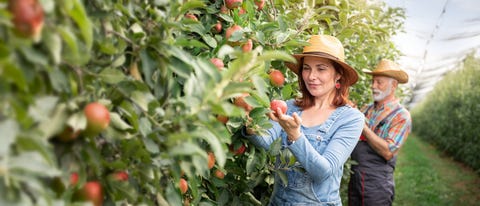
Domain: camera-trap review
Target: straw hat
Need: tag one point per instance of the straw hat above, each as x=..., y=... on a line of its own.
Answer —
x=327, y=47
x=390, y=69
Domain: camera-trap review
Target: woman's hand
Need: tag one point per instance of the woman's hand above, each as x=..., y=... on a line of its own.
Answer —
x=291, y=124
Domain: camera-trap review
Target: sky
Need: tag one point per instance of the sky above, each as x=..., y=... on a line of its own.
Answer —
x=438, y=34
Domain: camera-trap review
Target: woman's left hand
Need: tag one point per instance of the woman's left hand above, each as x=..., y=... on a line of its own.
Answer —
x=291, y=124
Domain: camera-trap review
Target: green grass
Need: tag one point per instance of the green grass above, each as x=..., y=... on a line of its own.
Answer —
x=426, y=177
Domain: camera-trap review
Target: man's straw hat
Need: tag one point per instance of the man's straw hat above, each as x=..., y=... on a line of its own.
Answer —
x=327, y=47
x=390, y=69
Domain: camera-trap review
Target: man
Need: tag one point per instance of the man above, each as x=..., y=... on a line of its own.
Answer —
x=387, y=125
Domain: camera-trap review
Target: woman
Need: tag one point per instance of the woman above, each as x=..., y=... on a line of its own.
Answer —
x=320, y=128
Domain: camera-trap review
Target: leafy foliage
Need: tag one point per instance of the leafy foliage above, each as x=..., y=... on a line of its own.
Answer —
x=149, y=65
x=448, y=117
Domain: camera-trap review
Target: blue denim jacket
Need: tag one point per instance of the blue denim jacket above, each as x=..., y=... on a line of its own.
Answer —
x=320, y=152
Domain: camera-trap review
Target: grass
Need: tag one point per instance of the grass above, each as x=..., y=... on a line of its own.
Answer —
x=424, y=176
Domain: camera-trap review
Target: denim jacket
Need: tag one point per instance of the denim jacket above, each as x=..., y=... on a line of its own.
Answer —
x=320, y=152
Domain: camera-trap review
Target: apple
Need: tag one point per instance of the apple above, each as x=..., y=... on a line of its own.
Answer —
x=230, y=31
x=120, y=176
x=218, y=27
x=260, y=4
x=191, y=16
x=240, y=102
x=247, y=47
x=224, y=9
x=241, y=11
x=231, y=4
x=219, y=174
x=183, y=184
x=92, y=191
x=239, y=151
x=28, y=17
x=218, y=63
x=73, y=178
x=275, y=104
x=211, y=160
x=276, y=78
x=98, y=118
x=222, y=119
x=68, y=134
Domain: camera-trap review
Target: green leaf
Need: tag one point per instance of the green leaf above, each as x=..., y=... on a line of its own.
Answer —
x=150, y=145
x=32, y=162
x=142, y=99
x=275, y=147
x=55, y=123
x=69, y=37
x=83, y=22
x=77, y=121
x=9, y=130
x=34, y=56
x=214, y=143
x=251, y=161
x=42, y=108
x=190, y=43
x=145, y=127
x=118, y=122
x=112, y=76
x=189, y=5
x=59, y=80
x=276, y=55
x=283, y=177
x=210, y=41
x=261, y=88
x=54, y=44
x=187, y=149
x=15, y=75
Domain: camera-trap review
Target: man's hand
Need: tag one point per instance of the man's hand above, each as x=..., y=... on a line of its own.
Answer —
x=291, y=124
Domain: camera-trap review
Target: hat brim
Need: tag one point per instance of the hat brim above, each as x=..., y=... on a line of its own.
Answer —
x=350, y=74
x=400, y=76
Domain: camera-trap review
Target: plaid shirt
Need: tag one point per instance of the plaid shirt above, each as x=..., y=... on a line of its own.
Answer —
x=392, y=128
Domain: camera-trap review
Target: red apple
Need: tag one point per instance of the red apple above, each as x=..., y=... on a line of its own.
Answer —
x=275, y=104
x=120, y=176
x=211, y=160
x=219, y=174
x=98, y=118
x=241, y=11
x=276, y=78
x=92, y=191
x=247, y=47
x=224, y=9
x=218, y=27
x=191, y=16
x=222, y=119
x=183, y=185
x=28, y=17
x=73, y=178
x=68, y=134
x=218, y=63
x=230, y=30
x=231, y=4
x=240, y=102
x=260, y=4
x=240, y=150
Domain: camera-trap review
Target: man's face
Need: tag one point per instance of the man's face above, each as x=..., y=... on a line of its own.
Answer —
x=381, y=87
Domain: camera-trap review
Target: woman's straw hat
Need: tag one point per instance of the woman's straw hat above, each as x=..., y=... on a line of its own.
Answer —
x=390, y=69
x=328, y=47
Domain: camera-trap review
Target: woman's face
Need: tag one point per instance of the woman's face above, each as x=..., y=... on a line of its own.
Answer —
x=319, y=76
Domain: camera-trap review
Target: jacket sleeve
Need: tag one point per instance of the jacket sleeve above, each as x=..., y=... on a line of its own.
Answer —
x=338, y=150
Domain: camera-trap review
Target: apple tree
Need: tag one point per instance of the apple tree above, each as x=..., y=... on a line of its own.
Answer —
x=141, y=102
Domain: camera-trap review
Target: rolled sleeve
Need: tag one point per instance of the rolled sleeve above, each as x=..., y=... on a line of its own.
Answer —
x=322, y=166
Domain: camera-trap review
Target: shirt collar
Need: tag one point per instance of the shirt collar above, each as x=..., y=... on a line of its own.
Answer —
x=387, y=104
